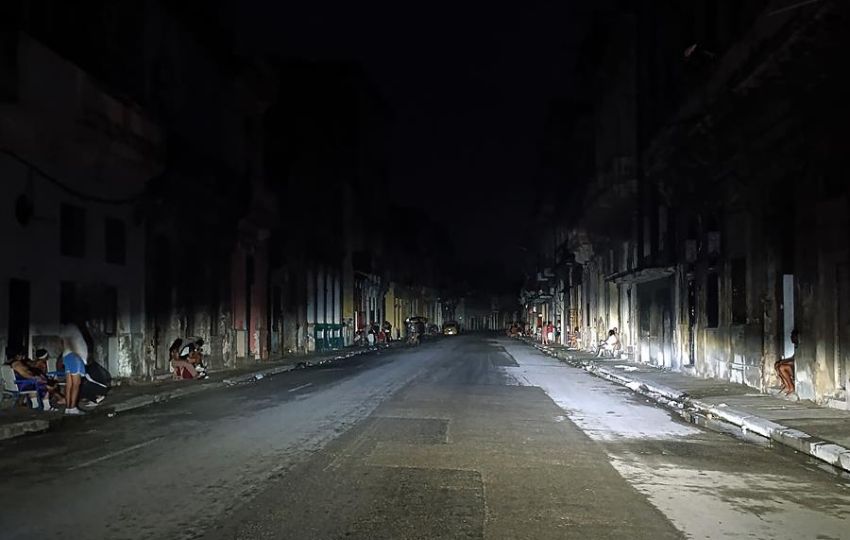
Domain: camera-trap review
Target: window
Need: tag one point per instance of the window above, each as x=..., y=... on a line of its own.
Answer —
x=712, y=300
x=115, y=240
x=277, y=304
x=67, y=302
x=215, y=300
x=72, y=231
x=739, y=290
x=18, y=331
x=110, y=319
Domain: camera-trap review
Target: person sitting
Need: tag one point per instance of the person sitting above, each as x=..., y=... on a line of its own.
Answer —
x=575, y=338
x=40, y=361
x=28, y=377
x=192, y=354
x=196, y=357
x=180, y=366
x=95, y=384
x=611, y=345
x=785, y=368
x=39, y=365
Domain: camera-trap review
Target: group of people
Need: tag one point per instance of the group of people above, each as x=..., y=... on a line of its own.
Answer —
x=550, y=333
x=187, y=359
x=76, y=379
x=611, y=346
x=375, y=334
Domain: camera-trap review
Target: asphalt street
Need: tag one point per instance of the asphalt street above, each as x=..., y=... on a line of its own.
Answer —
x=466, y=437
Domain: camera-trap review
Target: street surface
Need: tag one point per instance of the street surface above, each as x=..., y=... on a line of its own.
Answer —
x=468, y=437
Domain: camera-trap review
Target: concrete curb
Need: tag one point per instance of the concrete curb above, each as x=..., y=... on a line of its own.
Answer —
x=257, y=375
x=824, y=450
x=270, y=371
x=16, y=429
x=149, y=399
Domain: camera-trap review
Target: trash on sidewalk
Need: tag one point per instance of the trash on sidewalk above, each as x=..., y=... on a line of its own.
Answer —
x=626, y=368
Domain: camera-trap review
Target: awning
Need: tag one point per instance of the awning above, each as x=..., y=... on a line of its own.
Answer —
x=641, y=275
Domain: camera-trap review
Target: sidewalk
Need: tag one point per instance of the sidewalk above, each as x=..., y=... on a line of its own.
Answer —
x=18, y=421
x=820, y=432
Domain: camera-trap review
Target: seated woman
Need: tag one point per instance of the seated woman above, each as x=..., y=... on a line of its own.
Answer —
x=611, y=345
x=194, y=353
x=28, y=377
x=181, y=367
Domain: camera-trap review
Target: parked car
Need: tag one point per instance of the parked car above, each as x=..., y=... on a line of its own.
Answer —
x=451, y=328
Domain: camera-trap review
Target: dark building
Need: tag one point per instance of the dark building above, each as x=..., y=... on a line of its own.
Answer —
x=715, y=220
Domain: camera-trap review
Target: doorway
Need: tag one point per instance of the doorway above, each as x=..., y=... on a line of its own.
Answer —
x=249, y=295
x=19, y=315
x=842, y=328
x=277, y=319
x=692, y=320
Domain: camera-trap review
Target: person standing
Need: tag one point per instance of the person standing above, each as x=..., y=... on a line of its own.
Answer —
x=75, y=370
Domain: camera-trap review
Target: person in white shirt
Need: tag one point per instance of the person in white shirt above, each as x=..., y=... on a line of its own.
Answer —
x=611, y=344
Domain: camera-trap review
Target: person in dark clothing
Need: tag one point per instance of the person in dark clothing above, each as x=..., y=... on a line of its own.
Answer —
x=95, y=384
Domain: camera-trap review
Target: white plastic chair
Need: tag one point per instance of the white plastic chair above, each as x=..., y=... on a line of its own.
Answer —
x=9, y=385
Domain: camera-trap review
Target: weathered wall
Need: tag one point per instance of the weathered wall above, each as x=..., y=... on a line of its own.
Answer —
x=89, y=146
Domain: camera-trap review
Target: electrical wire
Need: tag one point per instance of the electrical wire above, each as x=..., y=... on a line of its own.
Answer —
x=68, y=189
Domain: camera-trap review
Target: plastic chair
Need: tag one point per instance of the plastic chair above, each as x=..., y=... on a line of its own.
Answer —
x=17, y=388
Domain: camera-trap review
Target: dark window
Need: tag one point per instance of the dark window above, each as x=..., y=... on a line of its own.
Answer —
x=215, y=300
x=67, y=302
x=115, y=241
x=72, y=231
x=19, y=313
x=277, y=305
x=739, y=290
x=110, y=318
x=712, y=300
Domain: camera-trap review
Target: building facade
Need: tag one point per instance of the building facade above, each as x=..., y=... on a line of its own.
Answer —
x=76, y=160
x=714, y=225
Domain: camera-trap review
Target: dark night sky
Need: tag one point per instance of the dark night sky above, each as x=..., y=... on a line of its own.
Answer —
x=468, y=87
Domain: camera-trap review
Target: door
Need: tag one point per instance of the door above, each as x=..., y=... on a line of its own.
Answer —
x=842, y=338
x=692, y=320
x=277, y=319
x=19, y=314
x=249, y=296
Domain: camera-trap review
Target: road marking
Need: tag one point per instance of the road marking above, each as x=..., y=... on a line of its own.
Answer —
x=114, y=454
x=297, y=388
